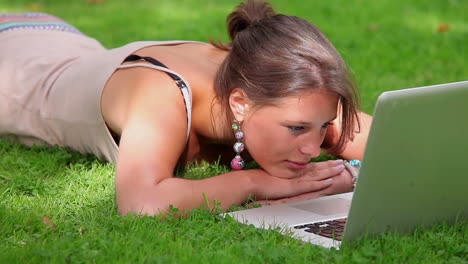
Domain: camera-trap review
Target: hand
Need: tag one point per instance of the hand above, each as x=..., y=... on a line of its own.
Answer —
x=342, y=182
x=316, y=177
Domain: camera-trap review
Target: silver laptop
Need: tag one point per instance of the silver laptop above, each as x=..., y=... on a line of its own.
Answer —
x=414, y=173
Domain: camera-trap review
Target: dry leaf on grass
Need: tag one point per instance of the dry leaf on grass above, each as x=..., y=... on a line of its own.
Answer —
x=48, y=221
x=443, y=27
x=372, y=27
x=95, y=1
x=35, y=7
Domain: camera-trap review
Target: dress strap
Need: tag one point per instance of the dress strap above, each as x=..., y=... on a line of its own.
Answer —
x=184, y=88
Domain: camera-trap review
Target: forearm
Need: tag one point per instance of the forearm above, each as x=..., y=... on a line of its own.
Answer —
x=228, y=189
x=145, y=196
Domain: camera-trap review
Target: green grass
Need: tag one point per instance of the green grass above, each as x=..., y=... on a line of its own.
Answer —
x=58, y=206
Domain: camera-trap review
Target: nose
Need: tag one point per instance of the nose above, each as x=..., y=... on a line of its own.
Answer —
x=310, y=148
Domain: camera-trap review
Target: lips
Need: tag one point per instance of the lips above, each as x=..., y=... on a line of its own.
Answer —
x=297, y=165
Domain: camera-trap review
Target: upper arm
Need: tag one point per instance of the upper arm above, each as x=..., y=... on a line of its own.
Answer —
x=153, y=138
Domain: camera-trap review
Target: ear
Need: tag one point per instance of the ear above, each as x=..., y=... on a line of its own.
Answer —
x=239, y=103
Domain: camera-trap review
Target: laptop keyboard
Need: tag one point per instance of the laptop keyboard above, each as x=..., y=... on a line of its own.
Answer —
x=332, y=229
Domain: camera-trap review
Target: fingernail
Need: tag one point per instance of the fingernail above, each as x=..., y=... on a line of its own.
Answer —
x=340, y=167
x=329, y=181
x=338, y=162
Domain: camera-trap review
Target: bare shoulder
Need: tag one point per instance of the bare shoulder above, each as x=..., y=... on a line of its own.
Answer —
x=130, y=84
x=196, y=62
x=155, y=114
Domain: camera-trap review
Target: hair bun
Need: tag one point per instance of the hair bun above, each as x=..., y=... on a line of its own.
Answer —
x=245, y=14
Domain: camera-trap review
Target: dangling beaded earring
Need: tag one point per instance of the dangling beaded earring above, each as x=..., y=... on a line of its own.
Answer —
x=237, y=163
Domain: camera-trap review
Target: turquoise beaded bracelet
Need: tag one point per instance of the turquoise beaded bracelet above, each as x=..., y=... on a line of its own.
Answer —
x=352, y=166
x=356, y=163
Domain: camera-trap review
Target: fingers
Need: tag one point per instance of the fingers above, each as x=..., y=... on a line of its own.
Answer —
x=302, y=186
x=316, y=178
x=319, y=179
x=323, y=171
x=341, y=183
x=324, y=164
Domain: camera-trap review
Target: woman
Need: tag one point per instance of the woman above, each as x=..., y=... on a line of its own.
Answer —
x=278, y=93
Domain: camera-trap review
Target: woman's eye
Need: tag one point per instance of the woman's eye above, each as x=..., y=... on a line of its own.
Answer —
x=295, y=128
x=327, y=124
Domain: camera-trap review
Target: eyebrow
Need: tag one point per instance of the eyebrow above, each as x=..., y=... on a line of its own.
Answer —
x=305, y=123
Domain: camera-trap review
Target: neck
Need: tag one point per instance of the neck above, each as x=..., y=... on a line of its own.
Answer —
x=221, y=126
x=210, y=124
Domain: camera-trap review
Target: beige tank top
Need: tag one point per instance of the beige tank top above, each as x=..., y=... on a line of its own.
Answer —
x=51, y=88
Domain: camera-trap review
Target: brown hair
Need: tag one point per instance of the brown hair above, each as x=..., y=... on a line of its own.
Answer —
x=272, y=56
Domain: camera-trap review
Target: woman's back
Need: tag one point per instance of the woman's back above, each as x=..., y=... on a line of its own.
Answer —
x=66, y=74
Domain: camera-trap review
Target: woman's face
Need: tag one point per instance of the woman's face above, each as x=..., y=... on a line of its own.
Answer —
x=283, y=138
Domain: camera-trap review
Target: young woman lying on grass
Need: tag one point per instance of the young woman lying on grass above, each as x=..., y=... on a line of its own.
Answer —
x=278, y=93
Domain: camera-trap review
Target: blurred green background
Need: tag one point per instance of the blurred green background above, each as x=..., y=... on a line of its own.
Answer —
x=388, y=44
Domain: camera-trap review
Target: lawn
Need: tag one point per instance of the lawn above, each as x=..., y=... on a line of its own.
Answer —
x=58, y=206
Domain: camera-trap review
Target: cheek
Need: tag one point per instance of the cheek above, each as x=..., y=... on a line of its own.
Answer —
x=255, y=140
x=270, y=147
x=267, y=144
